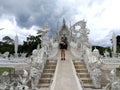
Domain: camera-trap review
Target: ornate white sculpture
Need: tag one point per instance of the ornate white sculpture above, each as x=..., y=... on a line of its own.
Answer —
x=5, y=73
x=21, y=87
x=3, y=86
x=44, y=32
x=90, y=57
x=23, y=55
x=25, y=74
x=34, y=54
x=113, y=74
x=106, y=54
x=115, y=85
x=93, y=63
x=73, y=45
x=38, y=60
x=35, y=76
x=81, y=35
x=5, y=55
x=23, y=80
x=96, y=77
x=96, y=53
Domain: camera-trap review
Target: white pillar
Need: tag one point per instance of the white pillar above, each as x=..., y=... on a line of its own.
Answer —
x=114, y=43
x=16, y=45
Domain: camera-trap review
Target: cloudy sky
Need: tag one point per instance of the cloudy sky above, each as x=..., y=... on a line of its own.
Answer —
x=25, y=17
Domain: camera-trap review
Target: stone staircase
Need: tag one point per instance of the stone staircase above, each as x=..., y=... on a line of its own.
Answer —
x=48, y=73
x=83, y=74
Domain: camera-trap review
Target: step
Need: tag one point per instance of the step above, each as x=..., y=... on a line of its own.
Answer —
x=80, y=67
x=81, y=70
x=88, y=85
x=50, y=67
x=45, y=80
x=93, y=89
x=44, y=85
x=51, y=61
x=86, y=81
x=84, y=75
x=48, y=70
x=47, y=75
x=79, y=63
x=51, y=64
x=78, y=60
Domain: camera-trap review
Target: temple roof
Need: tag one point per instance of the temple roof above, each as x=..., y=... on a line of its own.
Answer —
x=64, y=28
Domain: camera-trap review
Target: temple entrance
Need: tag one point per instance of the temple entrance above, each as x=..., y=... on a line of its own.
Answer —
x=65, y=33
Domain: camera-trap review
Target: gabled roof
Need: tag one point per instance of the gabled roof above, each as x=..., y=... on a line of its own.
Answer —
x=64, y=27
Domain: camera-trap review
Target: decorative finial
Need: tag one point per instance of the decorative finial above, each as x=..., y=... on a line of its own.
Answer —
x=64, y=21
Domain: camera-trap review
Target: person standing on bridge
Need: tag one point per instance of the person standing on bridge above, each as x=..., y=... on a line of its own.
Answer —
x=66, y=42
x=62, y=47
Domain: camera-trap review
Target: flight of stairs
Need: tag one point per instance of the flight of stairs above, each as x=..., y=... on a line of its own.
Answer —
x=83, y=74
x=47, y=74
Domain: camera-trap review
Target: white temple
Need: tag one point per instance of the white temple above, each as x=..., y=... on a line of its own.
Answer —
x=83, y=68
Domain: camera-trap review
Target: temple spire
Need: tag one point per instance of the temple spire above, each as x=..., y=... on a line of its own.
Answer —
x=64, y=22
x=114, y=42
x=16, y=45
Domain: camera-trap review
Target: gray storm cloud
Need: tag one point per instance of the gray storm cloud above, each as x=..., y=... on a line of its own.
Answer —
x=37, y=12
x=30, y=13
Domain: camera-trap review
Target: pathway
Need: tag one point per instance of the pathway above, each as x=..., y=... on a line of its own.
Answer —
x=65, y=76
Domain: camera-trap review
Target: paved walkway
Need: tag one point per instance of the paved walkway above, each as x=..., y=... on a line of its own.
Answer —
x=65, y=77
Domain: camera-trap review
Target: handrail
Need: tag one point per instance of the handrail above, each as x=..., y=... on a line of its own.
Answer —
x=80, y=86
x=51, y=81
x=52, y=85
x=80, y=81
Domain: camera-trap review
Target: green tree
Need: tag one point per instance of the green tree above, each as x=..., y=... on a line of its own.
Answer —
x=29, y=45
x=118, y=43
x=6, y=47
x=8, y=40
x=102, y=49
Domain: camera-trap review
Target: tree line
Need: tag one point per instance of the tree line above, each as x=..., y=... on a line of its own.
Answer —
x=7, y=44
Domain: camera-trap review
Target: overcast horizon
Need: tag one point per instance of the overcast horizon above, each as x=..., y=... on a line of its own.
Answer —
x=25, y=17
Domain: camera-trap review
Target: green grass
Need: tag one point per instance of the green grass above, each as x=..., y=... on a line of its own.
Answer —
x=5, y=69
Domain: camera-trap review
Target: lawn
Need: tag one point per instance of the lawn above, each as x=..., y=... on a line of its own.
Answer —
x=2, y=69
